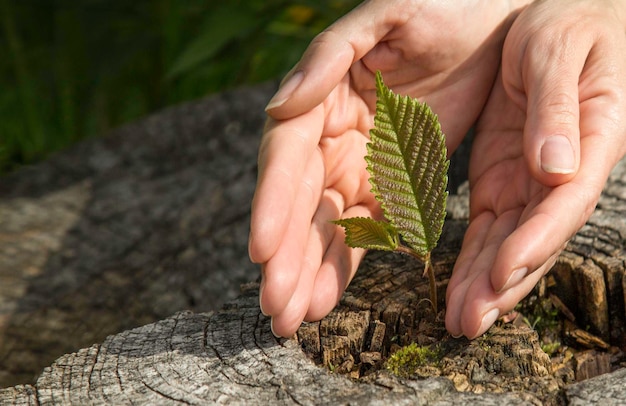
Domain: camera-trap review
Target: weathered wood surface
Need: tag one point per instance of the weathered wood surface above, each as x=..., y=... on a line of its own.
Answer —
x=126, y=230
x=230, y=356
x=153, y=219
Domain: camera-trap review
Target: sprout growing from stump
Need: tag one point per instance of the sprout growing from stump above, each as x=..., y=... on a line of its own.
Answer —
x=408, y=164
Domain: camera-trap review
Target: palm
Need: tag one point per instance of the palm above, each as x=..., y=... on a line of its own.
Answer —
x=348, y=111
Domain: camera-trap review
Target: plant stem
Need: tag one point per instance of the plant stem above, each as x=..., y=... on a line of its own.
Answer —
x=428, y=270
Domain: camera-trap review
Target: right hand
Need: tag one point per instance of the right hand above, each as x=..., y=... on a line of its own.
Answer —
x=311, y=166
x=549, y=136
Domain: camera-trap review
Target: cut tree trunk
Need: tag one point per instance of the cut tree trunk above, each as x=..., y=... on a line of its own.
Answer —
x=153, y=219
x=127, y=229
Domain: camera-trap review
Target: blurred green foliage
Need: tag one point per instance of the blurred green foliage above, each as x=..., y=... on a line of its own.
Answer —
x=76, y=68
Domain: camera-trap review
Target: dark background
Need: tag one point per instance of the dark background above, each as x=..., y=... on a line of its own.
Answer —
x=71, y=69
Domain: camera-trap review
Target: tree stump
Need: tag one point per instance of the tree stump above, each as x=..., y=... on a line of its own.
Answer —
x=127, y=229
x=386, y=308
x=153, y=219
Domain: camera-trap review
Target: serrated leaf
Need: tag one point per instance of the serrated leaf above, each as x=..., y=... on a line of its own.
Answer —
x=407, y=159
x=363, y=232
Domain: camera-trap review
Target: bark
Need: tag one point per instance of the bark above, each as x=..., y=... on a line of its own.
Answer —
x=151, y=220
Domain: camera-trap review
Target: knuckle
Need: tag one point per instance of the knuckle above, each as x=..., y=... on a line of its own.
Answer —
x=561, y=106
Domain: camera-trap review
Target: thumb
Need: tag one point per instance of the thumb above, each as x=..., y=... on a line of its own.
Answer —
x=327, y=60
x=549, y=77
x=552, y=132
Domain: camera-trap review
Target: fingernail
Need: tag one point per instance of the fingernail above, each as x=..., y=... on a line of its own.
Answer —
x=250, y=248
x=514, y=279
x=557, y=155
x=488, y=319
x=272, y=328
x=261, y=297
x=285, y=91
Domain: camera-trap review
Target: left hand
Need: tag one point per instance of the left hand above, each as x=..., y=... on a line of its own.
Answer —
x=551, y=132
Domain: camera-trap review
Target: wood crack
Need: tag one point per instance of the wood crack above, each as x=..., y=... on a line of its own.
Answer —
x=165, y=395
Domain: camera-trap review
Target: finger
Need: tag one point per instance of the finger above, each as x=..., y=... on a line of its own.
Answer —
x=282, y=271
x=482, y=306
x=322, y=232
x=549, y=226
x=286, y=149
x=473, y=242
x=550, y=71
x=328, y=58
x=554, y=220
x=497, y=233
x=337, y=270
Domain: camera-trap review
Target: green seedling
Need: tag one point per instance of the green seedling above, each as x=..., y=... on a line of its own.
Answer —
x=407, y=160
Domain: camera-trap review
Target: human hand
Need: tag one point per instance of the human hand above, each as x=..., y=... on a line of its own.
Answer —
x=311, y=166
x=551, y=132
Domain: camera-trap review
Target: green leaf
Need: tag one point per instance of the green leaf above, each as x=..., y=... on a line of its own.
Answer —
x=363, y=232
x=407, y=159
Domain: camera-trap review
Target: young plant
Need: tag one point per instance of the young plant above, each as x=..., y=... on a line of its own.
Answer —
x=407, y=161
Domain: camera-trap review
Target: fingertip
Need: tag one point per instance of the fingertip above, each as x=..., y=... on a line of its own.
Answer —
x=452, y=328
x=328, y=59
x=488, y=319
x=558, y=159
x=557, y=155
x=290, y=84
x=287, y=322
x=282, y=332
x=273, y=329
x=452, y=317
x=260, y=250
x=553, y=160
x=324, y=298
x=269, y=219
x=261, y=286
x=275, y=298
x=286, y=325
x=257, y=248
x=262, y=241
x=513, y=280
x=324, y=64
x=253, y=254
x=337, y=270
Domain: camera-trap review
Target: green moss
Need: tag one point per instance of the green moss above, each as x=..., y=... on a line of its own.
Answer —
x=407, y=360
x=551, y=348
